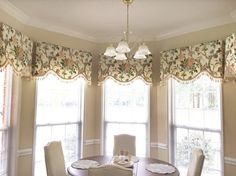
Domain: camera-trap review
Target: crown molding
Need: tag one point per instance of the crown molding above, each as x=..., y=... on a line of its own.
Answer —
x=195, y=28
x=13, y=11
x=10, y=9
x=61, y=30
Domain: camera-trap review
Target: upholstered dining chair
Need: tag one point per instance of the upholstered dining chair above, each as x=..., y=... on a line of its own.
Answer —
x=110, y=170
x=54, y=159
x=196, y=163
x=124, y=142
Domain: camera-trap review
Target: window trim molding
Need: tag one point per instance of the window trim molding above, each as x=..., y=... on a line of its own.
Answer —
x=222, y=129
x=14, y=122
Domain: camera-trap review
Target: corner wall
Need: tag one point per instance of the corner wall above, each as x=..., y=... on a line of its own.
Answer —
x=25, y=142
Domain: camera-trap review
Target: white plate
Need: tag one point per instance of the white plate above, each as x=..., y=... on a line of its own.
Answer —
x=84, y=164
x=160, y=168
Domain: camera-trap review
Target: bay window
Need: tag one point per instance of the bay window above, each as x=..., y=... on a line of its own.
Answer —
x=59, y=113
x=126, y=110
x=196, y=122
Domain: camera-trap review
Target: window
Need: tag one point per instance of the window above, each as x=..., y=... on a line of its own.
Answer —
x=126, y=110
x=5, y=104
x=196, y=122
x=58, y=117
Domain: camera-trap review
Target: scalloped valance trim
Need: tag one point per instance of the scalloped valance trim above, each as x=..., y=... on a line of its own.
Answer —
x=186, y=63
x=124, y=83
x=61, y=79
x=204, y=73
x=24, y=73
x=125, y=71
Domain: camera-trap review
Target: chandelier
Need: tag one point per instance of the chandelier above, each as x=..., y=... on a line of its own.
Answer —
x=122, y=51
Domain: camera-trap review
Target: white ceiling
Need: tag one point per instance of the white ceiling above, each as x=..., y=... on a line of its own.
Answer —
x=105, y=20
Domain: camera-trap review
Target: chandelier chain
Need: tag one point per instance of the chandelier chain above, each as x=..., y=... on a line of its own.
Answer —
x=127, y=25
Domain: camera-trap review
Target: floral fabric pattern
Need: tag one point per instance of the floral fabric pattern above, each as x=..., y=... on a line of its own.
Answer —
x=126, y=70
x=15, y=49
x=67, y=63
x=230, y=58
x=187, y=63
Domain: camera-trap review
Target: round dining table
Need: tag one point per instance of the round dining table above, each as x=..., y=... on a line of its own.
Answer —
x=139, y=167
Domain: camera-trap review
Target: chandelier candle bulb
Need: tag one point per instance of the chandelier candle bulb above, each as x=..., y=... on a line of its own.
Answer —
x=110, y=51
x=122, y=52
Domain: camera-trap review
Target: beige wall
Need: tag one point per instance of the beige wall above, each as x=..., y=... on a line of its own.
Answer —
x=28, y=91
x=93, y=96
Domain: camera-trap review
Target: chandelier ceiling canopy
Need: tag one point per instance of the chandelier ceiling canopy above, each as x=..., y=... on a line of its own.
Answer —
x=122, y=50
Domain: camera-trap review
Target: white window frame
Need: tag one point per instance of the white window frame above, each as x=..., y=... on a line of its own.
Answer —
x=104, y=122
x=11, y=151
x=79, y=123
x=172, y=127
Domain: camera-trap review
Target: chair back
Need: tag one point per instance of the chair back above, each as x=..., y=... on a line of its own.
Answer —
x=196, y=163
x=110, y=170
x=124, y=142
x=54, y=159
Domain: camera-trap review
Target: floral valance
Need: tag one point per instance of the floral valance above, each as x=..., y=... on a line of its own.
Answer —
x=67, y=63
x=126, y=70
x=16, y=50
x=187, y=63
x=230, y=58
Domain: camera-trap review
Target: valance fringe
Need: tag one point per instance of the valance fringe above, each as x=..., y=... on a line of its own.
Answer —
x=62, y=79
x=124, y=83
x=218, y=80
